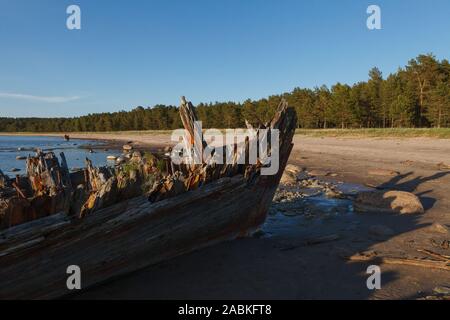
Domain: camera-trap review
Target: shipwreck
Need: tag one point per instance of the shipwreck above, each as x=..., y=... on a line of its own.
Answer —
x=110, y=221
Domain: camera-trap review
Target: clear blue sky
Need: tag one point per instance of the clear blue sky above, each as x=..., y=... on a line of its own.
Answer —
x=145, y=52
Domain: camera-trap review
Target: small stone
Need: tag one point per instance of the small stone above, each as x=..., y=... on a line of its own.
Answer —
x=111, y=158
x=288, y=178
x=381, y=230
x=127, y=147
x=290, y=174
x=333, y=194
x=315, y=184
x=293, y=168
x=332, y=191
x=21, y=158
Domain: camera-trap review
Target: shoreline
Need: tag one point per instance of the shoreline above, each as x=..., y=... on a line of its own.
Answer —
x=369, y=133
x=111, y=140
x=105, y=141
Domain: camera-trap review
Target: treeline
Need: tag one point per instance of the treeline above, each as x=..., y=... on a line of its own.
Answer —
x=417, y=95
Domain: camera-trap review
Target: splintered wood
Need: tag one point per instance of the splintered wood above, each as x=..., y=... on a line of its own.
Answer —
x=49, y=188
x=46, y=175
x=48, y=191
x=190, y=176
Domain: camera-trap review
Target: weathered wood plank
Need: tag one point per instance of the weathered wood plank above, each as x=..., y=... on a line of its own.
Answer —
x=123, y=243
x=135, y=233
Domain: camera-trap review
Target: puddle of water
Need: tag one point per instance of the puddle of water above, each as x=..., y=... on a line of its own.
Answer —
x=310, y=210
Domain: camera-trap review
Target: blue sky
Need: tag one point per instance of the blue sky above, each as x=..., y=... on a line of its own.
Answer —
x=145, y=52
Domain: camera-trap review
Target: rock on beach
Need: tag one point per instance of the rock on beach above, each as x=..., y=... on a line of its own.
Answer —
x=388, y=202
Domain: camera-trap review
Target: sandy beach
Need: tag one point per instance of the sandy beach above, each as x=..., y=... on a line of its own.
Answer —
x=281, y=266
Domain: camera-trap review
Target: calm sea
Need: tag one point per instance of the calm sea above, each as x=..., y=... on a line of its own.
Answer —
x=13, y=146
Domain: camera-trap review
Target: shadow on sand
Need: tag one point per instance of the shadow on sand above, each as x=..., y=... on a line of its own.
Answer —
x=411, y=185
x=282, y=266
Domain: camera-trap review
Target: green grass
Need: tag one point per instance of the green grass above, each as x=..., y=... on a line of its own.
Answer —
x=442, y=133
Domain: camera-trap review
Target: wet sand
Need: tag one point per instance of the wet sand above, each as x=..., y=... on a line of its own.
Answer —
x=279, y=264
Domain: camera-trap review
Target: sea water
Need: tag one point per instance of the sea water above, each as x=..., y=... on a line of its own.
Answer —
x=76, y=151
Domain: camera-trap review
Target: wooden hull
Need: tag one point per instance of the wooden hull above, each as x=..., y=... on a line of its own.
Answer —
x=135, y=233
x=127, y=236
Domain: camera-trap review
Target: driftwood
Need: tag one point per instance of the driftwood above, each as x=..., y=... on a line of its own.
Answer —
x=200, y=207
x=124, y=237
x=423, y=263
x=435, y=255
